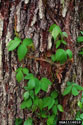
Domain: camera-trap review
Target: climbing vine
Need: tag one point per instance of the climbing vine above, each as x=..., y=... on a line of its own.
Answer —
x=44, y=106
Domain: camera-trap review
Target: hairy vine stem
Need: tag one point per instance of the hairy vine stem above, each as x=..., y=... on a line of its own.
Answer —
x=41, y=59
x=48, y=61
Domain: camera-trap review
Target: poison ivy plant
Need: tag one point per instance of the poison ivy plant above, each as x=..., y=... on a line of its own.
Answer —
x=18, y=121
x=61, y=55
x=58, y=35
x=50, y=120
x=22, y=47
x=20, y=72
x=60, y=108
x=22, y=51
x=28, y=42
x=55, y=32
x=32, y=101
x=72, y=88
x=44, y=82
x=79, y=113
x=69, y=53
x=80, y=40
x=28, y=122
x=64, y=34
x=47, y=105
x=13, y=44
x=80, y=103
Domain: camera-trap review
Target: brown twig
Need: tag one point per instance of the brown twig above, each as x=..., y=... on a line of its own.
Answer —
x=41, y=59
x=48, y=61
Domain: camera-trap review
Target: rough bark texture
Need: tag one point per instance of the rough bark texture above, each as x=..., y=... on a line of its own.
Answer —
x=32, y=18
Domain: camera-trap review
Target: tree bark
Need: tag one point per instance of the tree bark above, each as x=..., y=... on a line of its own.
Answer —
x=32, y=19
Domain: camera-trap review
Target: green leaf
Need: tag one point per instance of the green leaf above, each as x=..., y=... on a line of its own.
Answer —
x=29, y=103
x=82, y=99
x=81, y=32
x=50, y=120
x=64, y=34
x=69, y=53
x=64, y=42
x=69, y=83
x=10, y=43
x=44, y=83
x=74, y=91
x=80, y=39
x=80, y=104
x=26, y=88
x=81, y=116
x=26, y=95
x=40, y=104
x=34, y=108
x=31, y=84
x=36, y=101
x=19, y=76
x=22, y=51
x=35, y=104
x=81, y=53
x=13, y=44
x=28, y=122
x=78, y=87
x=26, y=104
x=51, y=104
x=31, y=93
x=56, y=31
x=37, y=86
x=25, y=71
x=56, y=101
x=58, y=43
x=67, y=90
x=54, y=109
x=17, y=39
x=27, y=42
x=18, y=121
x=29, y=76
x=77, y=114
x=60, y=108
x=54, y=94
x=82, y=94
x=46, y=101
x=44, y=86
x=61, y=56
x=19, y=69
x=23, y=105
x=43, y=114
x=78, y=119
x=53, y=57
x=52, y=27
x=45, y=80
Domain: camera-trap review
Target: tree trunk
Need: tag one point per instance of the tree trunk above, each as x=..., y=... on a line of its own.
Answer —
x=32, y=19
